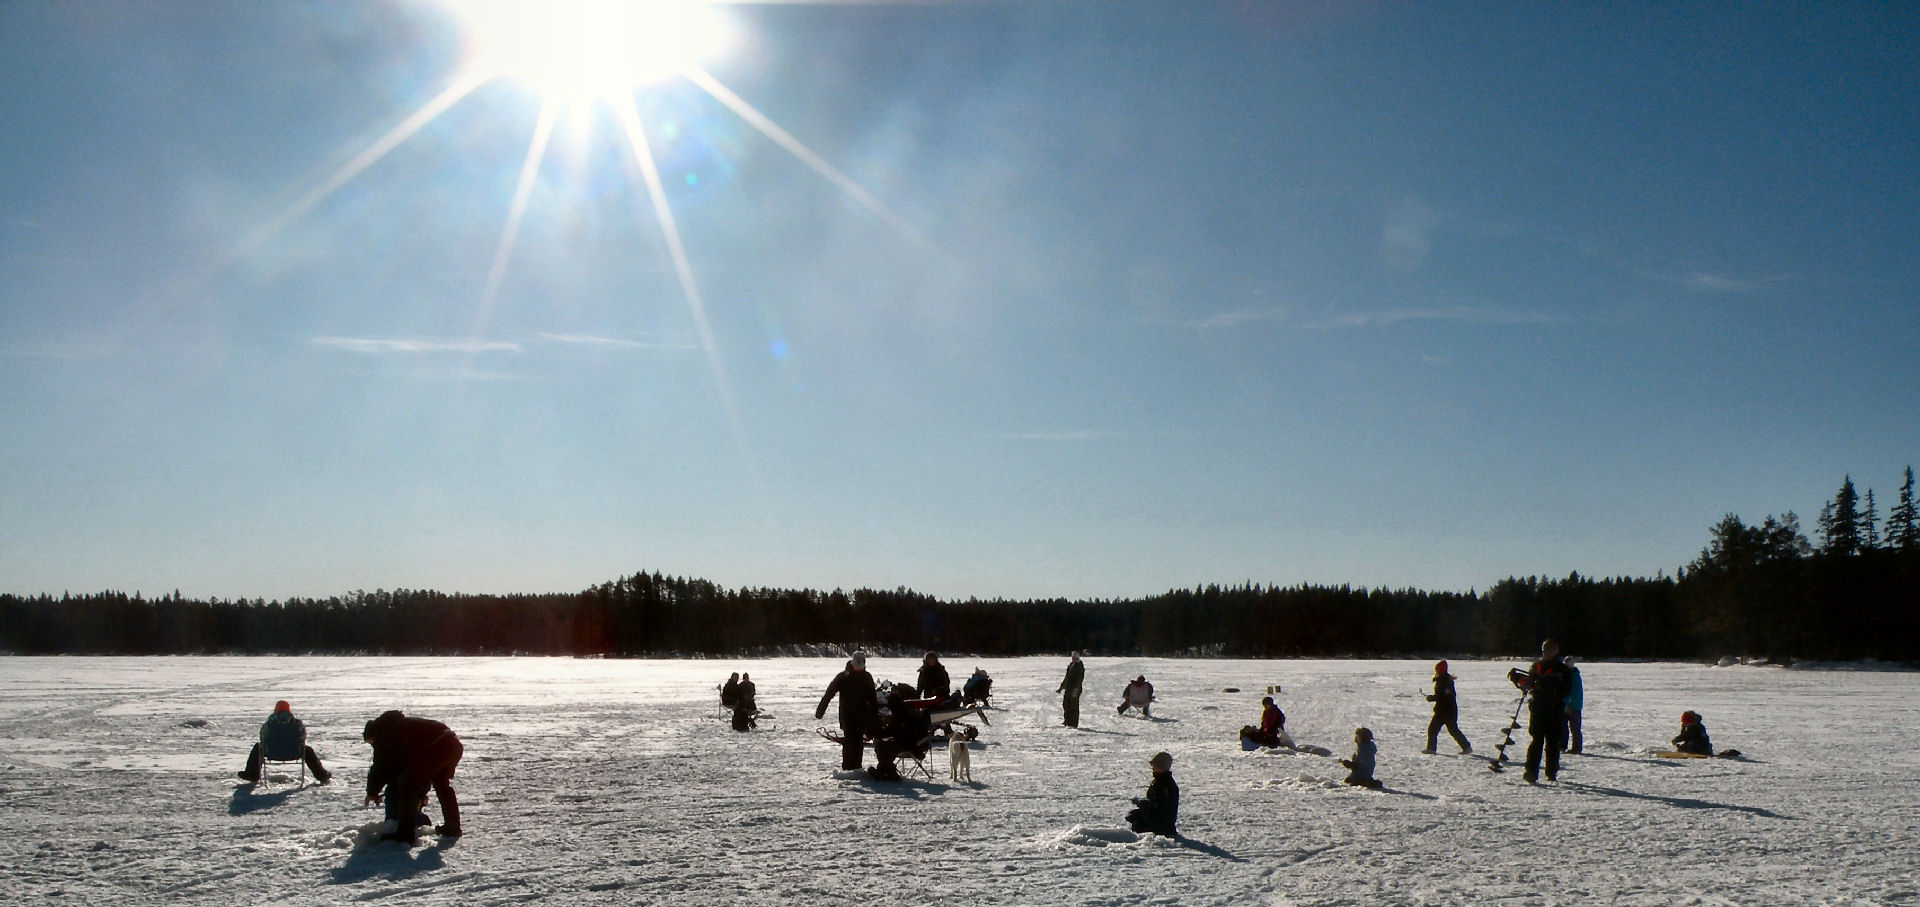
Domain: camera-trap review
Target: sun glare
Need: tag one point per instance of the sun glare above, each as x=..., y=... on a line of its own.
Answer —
x=582, y=50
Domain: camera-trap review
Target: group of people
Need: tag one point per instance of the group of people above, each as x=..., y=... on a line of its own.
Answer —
x=736, y=696
x=410, y=756
x=903, y=727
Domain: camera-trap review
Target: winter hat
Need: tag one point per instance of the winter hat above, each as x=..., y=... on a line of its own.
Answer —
x=1161, y=761
x=282, y=706
x=859, y=659
x=1689, y=716
x=1440, y=667
x=1363, y=733
x=1141, y=679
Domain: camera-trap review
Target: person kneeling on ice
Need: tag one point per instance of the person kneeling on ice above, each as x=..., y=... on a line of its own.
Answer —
x=1693, y=735
x=1159, y=810
x=1360, y=767
x=283, y=738
x=1273, y=726
x=1138, y=695
x=410, y=755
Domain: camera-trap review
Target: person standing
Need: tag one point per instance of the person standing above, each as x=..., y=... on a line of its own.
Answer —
x=409, y=755
x=933, y=680
x=1159, y=810
x=744, y=708
x=1548, y=682
x=1069, y=691
x=859, y=709
x=1446, y=711
x=1576, y=697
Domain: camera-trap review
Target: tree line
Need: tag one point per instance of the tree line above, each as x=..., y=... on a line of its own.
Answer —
x=1762, y=589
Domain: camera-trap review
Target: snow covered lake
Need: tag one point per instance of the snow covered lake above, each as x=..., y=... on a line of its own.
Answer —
x=613, y=782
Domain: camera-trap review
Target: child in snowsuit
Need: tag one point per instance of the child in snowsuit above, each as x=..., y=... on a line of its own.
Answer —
x=1446, y=711
x=1273, y=724
x=409, y=756
x=1360, y=767
x=1160, y=809
x=1693, y=735
x=1138, y=695
x=1576, y=698
x=283, y=737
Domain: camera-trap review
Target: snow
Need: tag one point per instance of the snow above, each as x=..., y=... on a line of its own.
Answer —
x=613, y=782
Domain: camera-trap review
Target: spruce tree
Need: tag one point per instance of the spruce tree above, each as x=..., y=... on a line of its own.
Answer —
x=1901, y=531
x=1840, y=521
x=1870, y=525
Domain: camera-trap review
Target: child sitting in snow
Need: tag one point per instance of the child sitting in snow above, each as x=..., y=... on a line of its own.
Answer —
x=1693, y=735
x=1361, y=765
x=1160, y=809
x=1273, y=727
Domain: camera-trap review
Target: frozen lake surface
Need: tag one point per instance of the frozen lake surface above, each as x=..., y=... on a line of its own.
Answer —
x=613, y=782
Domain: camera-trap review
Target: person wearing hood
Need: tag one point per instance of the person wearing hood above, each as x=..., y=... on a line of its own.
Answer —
x=1693, y=735
x=1360, y=767
x=409, y=756
x=282, y=738
x=859, y=709
x=1069, y=691
x=1159, y=811
x=730, y=693
x=744, y=708
x=1446, y=711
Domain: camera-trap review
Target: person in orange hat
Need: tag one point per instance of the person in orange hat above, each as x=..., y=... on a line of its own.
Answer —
x=1693, y=735
x=1446, y=710
x=283, y=737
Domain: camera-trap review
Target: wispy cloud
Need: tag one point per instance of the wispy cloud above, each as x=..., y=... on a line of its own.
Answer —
x=614, y=343
x=1069, y=437
x=1459, y=313
x=375, y=346
x=1405, y=242
x=1704, y=282
x=1238, y=317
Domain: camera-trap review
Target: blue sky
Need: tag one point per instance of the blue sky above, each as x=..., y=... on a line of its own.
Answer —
x=996, y=299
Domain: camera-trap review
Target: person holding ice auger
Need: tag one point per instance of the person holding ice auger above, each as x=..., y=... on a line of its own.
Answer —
x=1548, y=682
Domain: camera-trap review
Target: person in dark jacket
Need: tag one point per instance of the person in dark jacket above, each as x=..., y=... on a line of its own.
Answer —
x=730, y=694
x=1159, y=811
x=283, y=737
x=904, y=730
x=744, y=708
x=1693, y=735
x=1137, y=695
x=1549, y=682
x=859, y=710
x=410, y=755
x=1069, y=691
x=933, y=680
x=1446, y=711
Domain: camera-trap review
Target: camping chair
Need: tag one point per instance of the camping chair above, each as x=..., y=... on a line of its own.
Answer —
x=917, y=754
x=283, y=744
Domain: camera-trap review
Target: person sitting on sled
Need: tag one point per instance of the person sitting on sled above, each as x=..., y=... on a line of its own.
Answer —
x=977, y=688
x=1273, y=726
x=283, y=737
x=1138, y=695
x=730, y=694
x=1360, y=767
x=1693, y=735
x=1159, y=810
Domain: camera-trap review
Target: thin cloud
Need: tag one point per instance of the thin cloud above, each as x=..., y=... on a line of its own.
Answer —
x=1405, y=241
x=1068, y=437
x=1234, y=319
x=1708, y=282
x=613, y=343
x=373, y=346
x=1458, y=314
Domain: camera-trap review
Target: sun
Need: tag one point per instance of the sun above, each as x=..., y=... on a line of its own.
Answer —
x=584, y=50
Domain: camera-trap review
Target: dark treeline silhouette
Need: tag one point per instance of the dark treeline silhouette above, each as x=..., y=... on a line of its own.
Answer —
x=1754, y=590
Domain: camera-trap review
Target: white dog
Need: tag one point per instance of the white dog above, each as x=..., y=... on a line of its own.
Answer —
x=960, y=762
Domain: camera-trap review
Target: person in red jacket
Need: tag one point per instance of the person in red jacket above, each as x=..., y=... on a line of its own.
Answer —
x=410, y=755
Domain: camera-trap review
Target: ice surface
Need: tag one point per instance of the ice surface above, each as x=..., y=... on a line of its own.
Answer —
x=616, y=782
